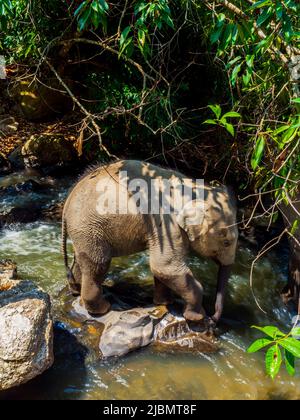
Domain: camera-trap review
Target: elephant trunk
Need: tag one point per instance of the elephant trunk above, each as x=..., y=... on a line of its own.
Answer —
x=223, y=277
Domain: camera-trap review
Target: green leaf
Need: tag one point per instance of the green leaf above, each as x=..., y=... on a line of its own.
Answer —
x=169, y=21
x=289, y=136
x=273, y=361
x=104, y=5
x=216, y=109
x=255, y=161
x=289, y=362
x=247, y=78
x=235, y=73
x=259, y=344
x=127, y=47
x=292, y=345
x=96, y=19
x=229, y=127
x=271, y=331
x=296, y=100
x=124, y=35
x=293, y=231
x=84, y=19
x=80, y=8
x=296, y=331
x=281, y=129
x=266, y=14
x=232, y=114
x=142, y=37
x=261, y=3
x=232, y=62
x=215, y=36
x=210, y=122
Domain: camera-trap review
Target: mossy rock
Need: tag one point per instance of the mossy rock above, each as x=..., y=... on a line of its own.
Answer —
x=47, y=150
x=41, y=102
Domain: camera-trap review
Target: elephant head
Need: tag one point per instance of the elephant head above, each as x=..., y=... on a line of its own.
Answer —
x=210, y=225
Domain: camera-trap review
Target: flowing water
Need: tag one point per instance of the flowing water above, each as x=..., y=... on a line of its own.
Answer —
x=148, y=374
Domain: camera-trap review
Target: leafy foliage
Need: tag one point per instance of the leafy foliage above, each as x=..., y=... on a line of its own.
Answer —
x=279, y=343
x=222, y=120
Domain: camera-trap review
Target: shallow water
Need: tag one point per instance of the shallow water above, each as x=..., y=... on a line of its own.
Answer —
x=148, y=374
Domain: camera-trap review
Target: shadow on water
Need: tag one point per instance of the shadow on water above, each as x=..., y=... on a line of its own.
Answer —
x=64, y=380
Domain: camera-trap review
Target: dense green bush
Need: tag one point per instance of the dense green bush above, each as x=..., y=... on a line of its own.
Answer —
x=157, y=42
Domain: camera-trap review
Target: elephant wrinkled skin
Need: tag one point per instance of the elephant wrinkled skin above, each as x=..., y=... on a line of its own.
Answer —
x=97, y=238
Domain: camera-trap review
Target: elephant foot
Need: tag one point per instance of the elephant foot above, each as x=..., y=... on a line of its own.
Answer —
x=163, y=301
x=97, y=309
x=194, y=316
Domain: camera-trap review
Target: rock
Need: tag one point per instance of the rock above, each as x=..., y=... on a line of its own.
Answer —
x=123, y=332
x=173, y=333
x=16, y=159
x=26, y=331
x=131, y=330
x=40, y=102
x=8, y=125
x=8, y=270
x=5, y=166
x=28, y=214
x=127, y=330
x=54, y=212
x=46, y=150
x=20, y=188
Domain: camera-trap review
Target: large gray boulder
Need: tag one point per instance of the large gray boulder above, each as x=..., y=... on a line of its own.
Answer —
x=126, y=330
x=123, y=331
x=26, y=330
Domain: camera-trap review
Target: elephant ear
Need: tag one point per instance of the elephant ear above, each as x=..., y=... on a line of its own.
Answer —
x=192, y=214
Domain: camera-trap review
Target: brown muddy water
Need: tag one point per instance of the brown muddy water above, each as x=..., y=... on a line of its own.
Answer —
x=78, y=373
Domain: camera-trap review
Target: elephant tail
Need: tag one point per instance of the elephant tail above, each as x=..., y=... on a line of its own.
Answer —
x=64, y=248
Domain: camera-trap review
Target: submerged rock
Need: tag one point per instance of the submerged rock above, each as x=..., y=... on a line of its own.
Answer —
x=127, y=330
x=46, y=150
x=26, y=330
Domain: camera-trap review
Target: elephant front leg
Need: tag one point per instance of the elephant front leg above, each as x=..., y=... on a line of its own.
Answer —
x=162, y=293
x=190, y=290
x=223, y=277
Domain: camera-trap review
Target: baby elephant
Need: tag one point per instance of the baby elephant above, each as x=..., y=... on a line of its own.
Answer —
x=130, y=206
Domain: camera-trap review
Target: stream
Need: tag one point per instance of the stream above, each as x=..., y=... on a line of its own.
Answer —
x=79, y=373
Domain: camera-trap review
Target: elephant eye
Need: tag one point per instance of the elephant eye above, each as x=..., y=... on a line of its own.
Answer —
x=226, y=244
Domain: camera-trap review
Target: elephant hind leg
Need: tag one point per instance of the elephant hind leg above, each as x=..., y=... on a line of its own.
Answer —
x=93, y=274
x=162, y=293
x=75, y=278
